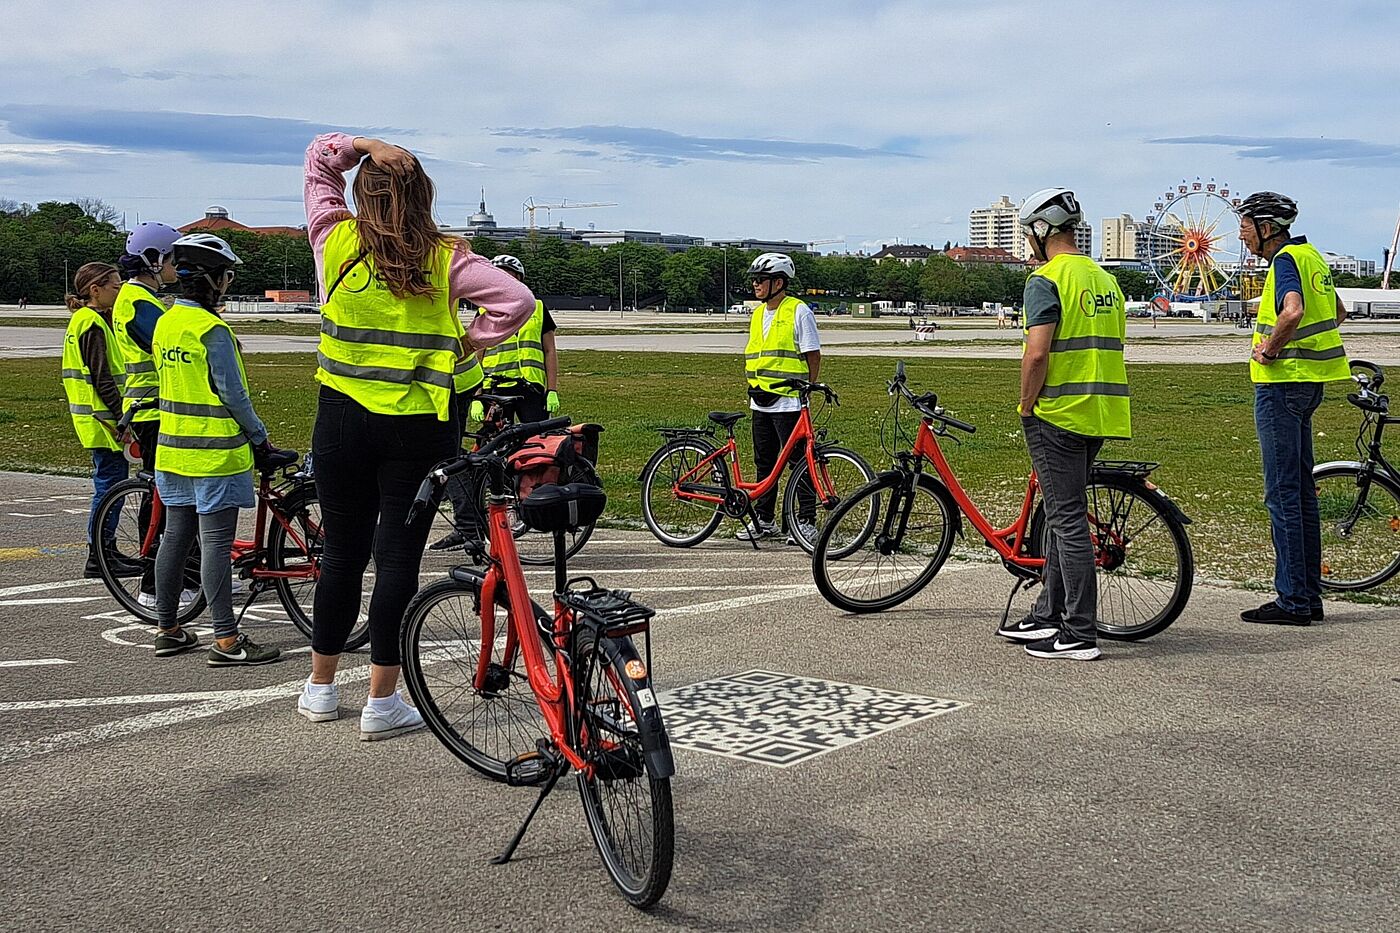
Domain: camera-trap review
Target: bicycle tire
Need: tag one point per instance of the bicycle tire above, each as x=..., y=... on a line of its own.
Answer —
x=1340, y=505
x=843, y=557
x=537, y=548
x=1102, y=490
x=284, y=553
x=607, y=700
x=512, y=701
x=707, y=516
x=127, y=545
x=799, y=475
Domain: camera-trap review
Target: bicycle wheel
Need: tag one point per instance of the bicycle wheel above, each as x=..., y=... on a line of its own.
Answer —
x=628, y=810
x=1360, y=516
x=885, y=542
x=120, y=511
x=537, y=547
x=845, y=471
x=296, y=548
x=442, y=643
x=678, y=522
x=1145, y=563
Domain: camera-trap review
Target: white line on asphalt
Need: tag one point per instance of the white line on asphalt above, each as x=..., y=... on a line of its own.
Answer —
x=735, y=602
x=44, y=587
x=50, y=601
x=34, y=662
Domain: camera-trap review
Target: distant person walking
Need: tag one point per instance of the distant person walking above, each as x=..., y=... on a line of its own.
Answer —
x=390, y=344
x=1001, y=316
x=92, y=380
x=1074, y=395
x=1297, y=348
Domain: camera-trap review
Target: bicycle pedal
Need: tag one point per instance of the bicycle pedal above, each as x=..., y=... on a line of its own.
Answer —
x=530, y=769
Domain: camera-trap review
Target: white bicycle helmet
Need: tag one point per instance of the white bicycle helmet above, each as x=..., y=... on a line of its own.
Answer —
x=773, y=264
x=509, y=263
x=203, y=252
x=1047, y=212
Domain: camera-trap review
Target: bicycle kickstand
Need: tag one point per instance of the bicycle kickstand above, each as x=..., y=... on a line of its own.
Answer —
x=751, y=521
x=1021, y=583
x=555, y=774
x=254, y=588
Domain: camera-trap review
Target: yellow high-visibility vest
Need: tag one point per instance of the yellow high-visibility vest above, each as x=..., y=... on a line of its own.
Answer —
x=1314, y=353
x=198, y=436
x=85, y=406
x=770, y=358
x=520, y=357
x=139, y=368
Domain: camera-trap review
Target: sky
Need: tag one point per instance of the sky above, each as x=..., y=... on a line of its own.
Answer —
x=870, y=123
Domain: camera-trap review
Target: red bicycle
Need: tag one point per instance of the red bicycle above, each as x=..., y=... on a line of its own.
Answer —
x=524, y=696
x=687, y=489
x=284, y=553
x=886, y=542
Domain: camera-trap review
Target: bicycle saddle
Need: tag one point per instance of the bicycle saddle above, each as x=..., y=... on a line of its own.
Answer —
x=726, y=419
x=276, y=458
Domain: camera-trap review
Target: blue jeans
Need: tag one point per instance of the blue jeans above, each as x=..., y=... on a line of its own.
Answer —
x=108, y=469
x=1283, y=417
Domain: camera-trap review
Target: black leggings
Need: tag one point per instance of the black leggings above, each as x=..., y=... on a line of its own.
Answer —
x=368, y=467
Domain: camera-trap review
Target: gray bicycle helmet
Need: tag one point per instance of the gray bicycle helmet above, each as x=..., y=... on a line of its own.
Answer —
x=510, y=264
x=1278, y=209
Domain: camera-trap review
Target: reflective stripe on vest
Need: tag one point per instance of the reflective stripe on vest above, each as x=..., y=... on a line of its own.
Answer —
x=395, y=356
x=85, y=406
x=519, y=357
x=770, y=358
x=1314, y=353
x=468, y=374
x=198, y=436
x=138, y=370
x=1086, y=382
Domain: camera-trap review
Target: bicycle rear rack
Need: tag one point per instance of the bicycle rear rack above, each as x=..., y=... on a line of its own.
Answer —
x=1127, y=467
x=614, y=611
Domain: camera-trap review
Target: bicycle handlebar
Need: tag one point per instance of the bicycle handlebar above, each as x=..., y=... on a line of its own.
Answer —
x=805, y=388
x=124, y=422
x=927, y=403
x=1370, y=378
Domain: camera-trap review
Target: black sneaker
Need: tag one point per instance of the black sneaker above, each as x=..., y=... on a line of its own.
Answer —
x=242, y=653
x=449, y=542
x=1028, y=629
x=1062, y=646
x=1316, y=614
x=1271, y=613
x=169, y=644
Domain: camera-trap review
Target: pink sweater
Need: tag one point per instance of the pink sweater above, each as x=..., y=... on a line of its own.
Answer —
x=507, y=302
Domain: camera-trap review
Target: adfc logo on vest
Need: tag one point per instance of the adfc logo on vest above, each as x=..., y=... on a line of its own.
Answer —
x=1091, y=304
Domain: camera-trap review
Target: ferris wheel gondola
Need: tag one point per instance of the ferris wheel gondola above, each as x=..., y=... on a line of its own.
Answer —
x=1193, y=246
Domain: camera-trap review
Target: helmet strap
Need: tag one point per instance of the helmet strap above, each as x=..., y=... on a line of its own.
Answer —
x=1265, y=240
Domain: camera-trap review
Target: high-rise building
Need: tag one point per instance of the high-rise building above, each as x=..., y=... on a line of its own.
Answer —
x=995, y=226
x=1120, y=237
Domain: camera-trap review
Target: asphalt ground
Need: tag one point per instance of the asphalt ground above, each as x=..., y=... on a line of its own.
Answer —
x=1217, y=777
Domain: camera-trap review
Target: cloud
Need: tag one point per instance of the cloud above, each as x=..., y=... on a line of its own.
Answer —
x=585, y=153
x=516, y=150
x=44, y=159
x=665, y=148
x=1350, y=152
x=209, y=136
x=113, y=75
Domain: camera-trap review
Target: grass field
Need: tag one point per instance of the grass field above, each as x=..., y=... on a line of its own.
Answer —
x=1197, y=420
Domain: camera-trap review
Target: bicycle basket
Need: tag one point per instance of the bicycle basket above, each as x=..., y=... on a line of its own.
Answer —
x=562, y=508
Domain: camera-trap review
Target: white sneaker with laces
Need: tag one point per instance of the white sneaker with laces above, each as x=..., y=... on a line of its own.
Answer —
x=149, y=599
x=319, y=702
x=378, y=723
x=765, y=530
x=807, y=530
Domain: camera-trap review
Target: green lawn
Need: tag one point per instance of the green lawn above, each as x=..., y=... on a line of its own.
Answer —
x=1197, y=420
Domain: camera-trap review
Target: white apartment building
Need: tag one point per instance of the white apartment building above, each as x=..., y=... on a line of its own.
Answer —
x=996, y=226
x=1349, y=264
x=1120, y=236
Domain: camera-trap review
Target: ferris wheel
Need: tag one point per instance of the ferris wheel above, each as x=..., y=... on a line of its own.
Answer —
x=1193, y=244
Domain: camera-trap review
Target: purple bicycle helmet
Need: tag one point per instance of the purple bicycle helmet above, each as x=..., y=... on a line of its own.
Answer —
x=151, y=243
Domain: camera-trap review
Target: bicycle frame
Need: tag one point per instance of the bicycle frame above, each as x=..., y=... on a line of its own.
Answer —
x=803, y=432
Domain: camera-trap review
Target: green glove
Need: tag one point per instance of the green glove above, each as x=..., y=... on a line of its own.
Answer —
x=476, y=411
x=551, y=401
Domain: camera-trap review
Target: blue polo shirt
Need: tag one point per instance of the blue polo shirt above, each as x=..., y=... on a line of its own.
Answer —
x=1286, y=277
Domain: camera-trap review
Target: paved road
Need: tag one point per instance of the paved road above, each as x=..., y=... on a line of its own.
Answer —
x=1217, y=777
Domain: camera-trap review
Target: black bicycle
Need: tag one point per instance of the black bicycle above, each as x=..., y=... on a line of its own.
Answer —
x=1358, y=501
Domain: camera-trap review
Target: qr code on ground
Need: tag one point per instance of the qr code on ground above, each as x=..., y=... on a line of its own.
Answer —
x=780, y=719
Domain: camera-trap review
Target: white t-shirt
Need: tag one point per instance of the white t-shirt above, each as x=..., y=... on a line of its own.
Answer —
x=805, y=326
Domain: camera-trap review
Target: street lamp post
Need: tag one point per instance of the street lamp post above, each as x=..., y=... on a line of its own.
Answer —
x=724, y=298
x=620, y=299
x=635, y=273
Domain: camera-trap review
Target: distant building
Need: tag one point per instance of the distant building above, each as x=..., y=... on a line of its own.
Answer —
x=675, y=242
x=1123, y=238
x=965, y=255
x=905, y=253
x=1349, y=264
x=995, y=227
x=216, y=218
x=763, y=246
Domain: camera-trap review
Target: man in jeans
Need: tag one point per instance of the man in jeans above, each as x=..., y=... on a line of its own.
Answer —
x=1074, y=394
x=1297, y=348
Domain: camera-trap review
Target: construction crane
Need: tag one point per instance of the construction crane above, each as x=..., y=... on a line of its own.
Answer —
x=812, y=244
x=529, y=207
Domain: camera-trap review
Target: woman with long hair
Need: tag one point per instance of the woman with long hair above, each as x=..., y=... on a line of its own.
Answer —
x=390, y=341
x=92, y=381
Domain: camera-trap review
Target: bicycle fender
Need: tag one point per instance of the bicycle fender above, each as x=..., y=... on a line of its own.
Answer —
x=1340, y=464
x=656, y=746
x=1165, y=499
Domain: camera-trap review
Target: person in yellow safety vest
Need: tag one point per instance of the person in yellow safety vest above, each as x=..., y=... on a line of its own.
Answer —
x=210, y=439
x=783, y=344
x=1297, y=348
x=526, y=364
x=92, y=381
x=390, y=282
x=1074, y=395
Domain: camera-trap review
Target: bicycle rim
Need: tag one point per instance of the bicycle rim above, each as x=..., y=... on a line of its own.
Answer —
x=865, y=565
x=121, y=511
x=674, y=521
x=628, y=811
x=1146, y=566
x=844, y=472
x=299, y=550
x=442, y=645
x=1360, y=529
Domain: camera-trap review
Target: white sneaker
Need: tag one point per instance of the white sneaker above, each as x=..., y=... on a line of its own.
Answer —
x=765, y=530
x=808, y=532
x=239, y=587
x=149, y=599
x=376, y=724
x=319, y=702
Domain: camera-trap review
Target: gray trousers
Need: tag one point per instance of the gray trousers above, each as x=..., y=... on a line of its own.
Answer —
x=1070, y=595
x=216, y=532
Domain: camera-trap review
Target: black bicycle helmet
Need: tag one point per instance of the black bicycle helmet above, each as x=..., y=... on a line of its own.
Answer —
x=1278, y=209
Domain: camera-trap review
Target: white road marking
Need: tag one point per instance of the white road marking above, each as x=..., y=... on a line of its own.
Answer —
x=32, y=514
x=45, y=587
x=736, y=602
x=49, y=601
x=34, y=662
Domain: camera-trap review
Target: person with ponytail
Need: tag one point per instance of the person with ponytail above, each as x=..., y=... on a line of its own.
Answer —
x=210, y=439
x=390, y=342
x=92, y=381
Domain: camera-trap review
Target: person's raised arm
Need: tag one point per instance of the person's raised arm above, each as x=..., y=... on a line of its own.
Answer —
x=506, y=302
